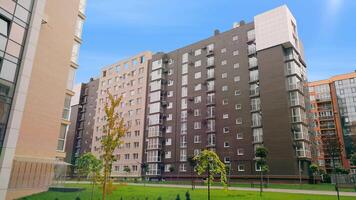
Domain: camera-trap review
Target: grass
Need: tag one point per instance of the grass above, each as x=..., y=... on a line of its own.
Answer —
x=321, y=187
x=152, y=193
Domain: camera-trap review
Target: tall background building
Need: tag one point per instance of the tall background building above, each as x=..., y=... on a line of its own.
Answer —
x=334, y=112
x=231, y=93
x=82, y=118
x=40, y=43
x=126, y=78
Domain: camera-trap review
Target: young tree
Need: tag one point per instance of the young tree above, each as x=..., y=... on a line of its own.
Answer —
x=314, y=169
x=192, y=164
x=144, y=167
x=92, y=167
x=208, y=162
x=261, y=155
x=113, y=130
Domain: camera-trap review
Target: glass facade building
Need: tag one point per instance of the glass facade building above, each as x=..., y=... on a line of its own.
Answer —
x=14, y=22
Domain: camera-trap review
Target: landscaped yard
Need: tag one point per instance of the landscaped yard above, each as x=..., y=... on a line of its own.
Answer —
x=153, y=193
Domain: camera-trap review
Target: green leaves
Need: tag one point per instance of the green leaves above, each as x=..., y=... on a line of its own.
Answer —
x=209, y=160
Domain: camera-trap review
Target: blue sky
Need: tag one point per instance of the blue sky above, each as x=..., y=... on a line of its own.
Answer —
x=116, y=29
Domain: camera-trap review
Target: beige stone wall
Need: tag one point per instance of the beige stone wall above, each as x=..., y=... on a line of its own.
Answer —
x=43, y=109
x=114, y=82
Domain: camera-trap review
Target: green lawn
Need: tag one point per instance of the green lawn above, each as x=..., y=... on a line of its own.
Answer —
x=152, y=193
x=321, y=187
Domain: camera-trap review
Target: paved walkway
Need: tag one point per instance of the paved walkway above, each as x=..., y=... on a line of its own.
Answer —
x=316, y=192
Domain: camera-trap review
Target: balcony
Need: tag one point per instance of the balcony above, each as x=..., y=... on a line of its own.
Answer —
x=326, y=118
x=210, y=62
x=254, y=92
x=252, y=64
x=209, y=52
x=257, y=139
x=251, y=36
x=296, y=86
x=301, y=136
x=210, y=100
x=327, y=126
x=210, y=76
x=251, y=49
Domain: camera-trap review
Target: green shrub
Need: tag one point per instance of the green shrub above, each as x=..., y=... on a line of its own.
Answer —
x=178, y=197
x=159, y=198
x=78, y=198
x=187, y=196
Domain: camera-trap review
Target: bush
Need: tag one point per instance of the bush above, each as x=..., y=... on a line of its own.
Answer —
x=187, y=196
x=159, y=198
x=178, y=197
x=78, y=198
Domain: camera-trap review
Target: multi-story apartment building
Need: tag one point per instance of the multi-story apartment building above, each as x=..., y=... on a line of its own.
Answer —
x=231, y=93
x=39, y=48
x=82, y=118
x=126, y=78
x=333, y=108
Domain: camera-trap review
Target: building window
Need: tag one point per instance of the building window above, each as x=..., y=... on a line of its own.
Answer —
x=237, y=92
x=62, y=137
x=235, y=38
x=183, y=167
x=197, y=63
x=210, y=47
x=197, y=125
x=66, y=109
x=197, y=99
x=196, y=152
x=239, y=136
x=226, y=144
x=237, y=78
x=4, y=26
x=225, y=102
x=196, y=112
x=239, y=121
x=197, y=75
x=197, y=52
x=183, y=155
x=223, y=50
x=226, y=130
x=168, y=155
x=197, y=87
x=225, y=116
x=240, y=152
x=236, y=65
x=238, y=106
x=224, y=62
x=197, y=139
x=241, y=168
x=224, y=88
x=224, y=75
x=79, y=27
x=185, y=58
x=227, y=160
x=168, y=141
x=235, y=53
x=184, y=68
x=75, y=52
x=185, y=80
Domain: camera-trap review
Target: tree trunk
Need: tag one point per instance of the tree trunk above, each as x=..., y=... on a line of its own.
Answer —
x=261, y=180
x=92, y=188
x=106, y=166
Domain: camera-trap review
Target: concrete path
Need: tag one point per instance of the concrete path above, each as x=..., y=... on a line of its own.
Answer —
x=316, y=192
